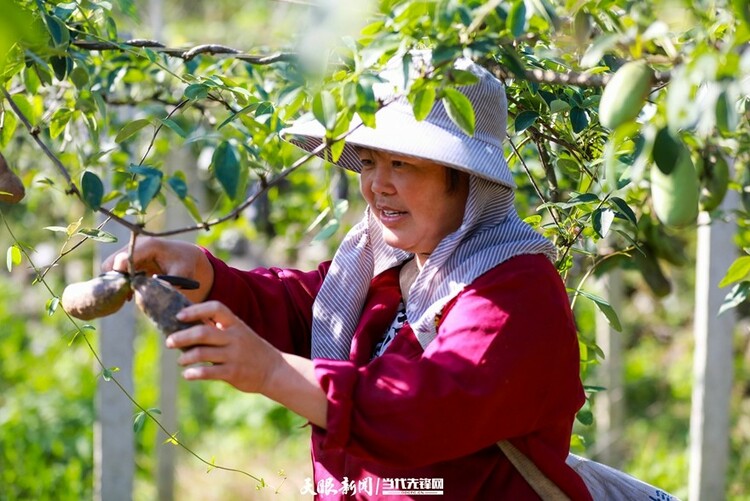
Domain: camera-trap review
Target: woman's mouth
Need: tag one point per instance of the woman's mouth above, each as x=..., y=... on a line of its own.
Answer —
x=390, y=215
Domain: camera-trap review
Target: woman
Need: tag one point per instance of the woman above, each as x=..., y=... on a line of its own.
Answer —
x=439, y=328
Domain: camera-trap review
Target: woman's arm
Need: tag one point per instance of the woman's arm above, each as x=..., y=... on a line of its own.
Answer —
x=224, y=348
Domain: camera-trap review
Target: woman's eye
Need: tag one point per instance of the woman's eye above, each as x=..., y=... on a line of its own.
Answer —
x=366, y=161
x=398, y=163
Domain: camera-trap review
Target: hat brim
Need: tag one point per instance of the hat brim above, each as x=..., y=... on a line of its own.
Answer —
x=399, y=132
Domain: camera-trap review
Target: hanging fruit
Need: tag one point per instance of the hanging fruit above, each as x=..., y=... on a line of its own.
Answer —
x=624, y=95
x=11, y=187
x=675, y=190
x=160, y=302
x=98, y=297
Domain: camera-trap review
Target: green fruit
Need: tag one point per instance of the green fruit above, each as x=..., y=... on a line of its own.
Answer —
x=160, y=302
x=661, y=244
x=715, y=181
x=675, y=195
x=11, y=187
x=98, y=297
x=652, y=273
x=624, y=95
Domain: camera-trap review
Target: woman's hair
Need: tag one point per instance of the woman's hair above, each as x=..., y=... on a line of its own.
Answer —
x=453, y=178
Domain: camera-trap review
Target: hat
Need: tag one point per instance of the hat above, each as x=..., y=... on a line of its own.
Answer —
x=436, y=138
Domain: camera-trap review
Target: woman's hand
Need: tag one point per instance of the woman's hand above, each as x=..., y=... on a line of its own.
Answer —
x=224, y=348
x=236, y=354
x=157, y=256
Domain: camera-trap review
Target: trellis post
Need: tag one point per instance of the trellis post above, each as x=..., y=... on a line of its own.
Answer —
x=712, y=362
x=114, y=439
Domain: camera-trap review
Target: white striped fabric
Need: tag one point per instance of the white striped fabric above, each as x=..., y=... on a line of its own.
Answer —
x=490, y=234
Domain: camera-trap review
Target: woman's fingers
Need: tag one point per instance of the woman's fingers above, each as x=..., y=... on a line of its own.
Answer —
x=203, y=354
x=211, y=311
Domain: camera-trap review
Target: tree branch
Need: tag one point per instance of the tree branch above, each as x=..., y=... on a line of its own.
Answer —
x=576, y=78
x=185, y=53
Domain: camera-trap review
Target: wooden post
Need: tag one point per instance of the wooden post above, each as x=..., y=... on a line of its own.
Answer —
x=712, y=362
x=114, y=439
x=610, y=403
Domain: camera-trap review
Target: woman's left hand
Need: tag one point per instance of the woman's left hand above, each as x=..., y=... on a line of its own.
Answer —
x=229, y=348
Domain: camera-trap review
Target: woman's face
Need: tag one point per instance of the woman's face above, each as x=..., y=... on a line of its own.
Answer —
x=411, y=199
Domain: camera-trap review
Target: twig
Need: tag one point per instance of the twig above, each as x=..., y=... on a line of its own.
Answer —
x=185, y=53
x=100, y=362
x=159, y=127
x=34, y=131
x=569, y=78
x=533, y=183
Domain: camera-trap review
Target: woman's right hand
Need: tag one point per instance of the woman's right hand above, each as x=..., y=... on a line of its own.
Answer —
x=158, y=256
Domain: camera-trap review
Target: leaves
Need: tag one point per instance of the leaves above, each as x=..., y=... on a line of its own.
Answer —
x=422, y=102
x=459, y=109
x=92, y=190
x=98, y=235
x=516, y=21
x=324, y=109
x=226, y=165
x=739, y=270
x=13, y=257
x=609, y=313
x=525, y=119
x=130, y=129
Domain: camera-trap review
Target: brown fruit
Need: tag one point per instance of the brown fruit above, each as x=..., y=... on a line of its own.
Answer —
x=98, y=297
x=160, y=302
x=11, y=187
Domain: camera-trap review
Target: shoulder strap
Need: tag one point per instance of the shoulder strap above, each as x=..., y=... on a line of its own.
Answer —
x=538, y=481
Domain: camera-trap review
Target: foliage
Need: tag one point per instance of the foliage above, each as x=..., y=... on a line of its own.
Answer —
x=111, y=114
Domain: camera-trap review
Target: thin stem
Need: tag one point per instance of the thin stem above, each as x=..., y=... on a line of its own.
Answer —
x=100, y=362
x=533, y=183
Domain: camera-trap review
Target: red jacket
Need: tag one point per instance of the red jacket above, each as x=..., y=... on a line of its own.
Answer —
x=505, y=365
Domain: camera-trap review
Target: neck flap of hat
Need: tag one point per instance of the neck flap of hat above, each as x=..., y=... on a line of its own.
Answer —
x=490, y=234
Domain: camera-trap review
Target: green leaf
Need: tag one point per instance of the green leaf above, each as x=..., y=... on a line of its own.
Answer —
x=139, y=421
x=460, y=110
x=624, y=209
x=98, y=235
x=324, y=109
x=516, y=21
x=93, y=190
x=107, y=373
x=130, y=128
x=585, y=417
x=13, y=257
x=59, y=120
x=739, y=270
x=52, y=305
x=178, y=185
x=525, y=119
x=58, y=30
x=423, y=101
x=667, y=150
x=226, y=162
x=175, y=127
x=602, y=220
x=192, y=208
x=148, y=188
x=558, y=105
x=578, y=119
x=327, y=230
x=609, y=313
x=196, y=91
x=736, y=296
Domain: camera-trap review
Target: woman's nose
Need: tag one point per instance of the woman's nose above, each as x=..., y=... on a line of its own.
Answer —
x=380, y=182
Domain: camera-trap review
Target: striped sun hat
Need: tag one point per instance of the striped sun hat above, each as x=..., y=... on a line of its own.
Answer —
x=436, y=138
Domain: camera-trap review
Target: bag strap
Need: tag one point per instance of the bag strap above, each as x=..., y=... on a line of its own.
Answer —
x=538, y=481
